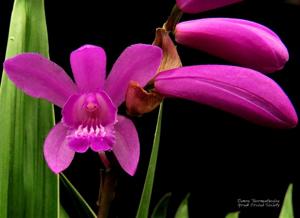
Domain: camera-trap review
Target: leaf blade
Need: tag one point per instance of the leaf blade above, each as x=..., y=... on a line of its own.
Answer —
x=161, y=209
x=81, y=207
x=144, y=205
x=28, y=188
x=183, y=210
x=233, y=215
x=287, y=206
x=63, y=213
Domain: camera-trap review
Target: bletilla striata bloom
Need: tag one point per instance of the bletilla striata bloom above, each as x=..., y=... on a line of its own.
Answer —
x=89, y=107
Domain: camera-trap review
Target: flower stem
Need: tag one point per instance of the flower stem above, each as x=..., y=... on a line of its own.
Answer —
x=173, y=19
x=106, y=192
x=104, y=160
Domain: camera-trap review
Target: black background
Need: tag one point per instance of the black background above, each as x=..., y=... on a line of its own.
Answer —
x=215, y=156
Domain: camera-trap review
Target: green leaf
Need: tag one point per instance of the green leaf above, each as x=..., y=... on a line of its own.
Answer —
x=143, y=209
x=27, y=187
x=183, y=209
x=161, y=209
x=233, y=215
x=79, y=205
x=63, y=213
x=287, y=206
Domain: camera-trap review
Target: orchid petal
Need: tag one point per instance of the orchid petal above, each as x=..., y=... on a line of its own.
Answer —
x=89, y=67
x=196, y=6
x=56, y=150
x=138, y=63
x=240, y=91
x=127, y=146
x=40, y=78
x=240, y=41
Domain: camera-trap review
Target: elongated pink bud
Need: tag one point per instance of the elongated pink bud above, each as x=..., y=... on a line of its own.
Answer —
x=240, y=91
x=196, y=6
x=239, y=41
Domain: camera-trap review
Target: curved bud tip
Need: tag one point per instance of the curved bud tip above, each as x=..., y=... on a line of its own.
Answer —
x=240, y=91
x=197, y=6
x=239, y=41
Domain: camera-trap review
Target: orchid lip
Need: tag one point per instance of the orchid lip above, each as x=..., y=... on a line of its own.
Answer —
x=85, y=131
x=90, y=118
x=99, y=138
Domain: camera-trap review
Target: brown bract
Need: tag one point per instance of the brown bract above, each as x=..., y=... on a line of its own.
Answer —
x=171, y=58
x=138, y=100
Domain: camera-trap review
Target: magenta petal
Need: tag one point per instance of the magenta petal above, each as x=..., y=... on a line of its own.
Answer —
x=73, y=112
x=196, y=6
x=239, y=41
x=137, y=62
x=40, y=78
x=240, y=91
x=89, y=67
x=56, y=151
x=127, y=146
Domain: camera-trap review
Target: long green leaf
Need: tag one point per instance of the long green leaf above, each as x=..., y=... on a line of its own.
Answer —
x=143, y=209
x=233, y=215
x=63, y=213
x=183, y=209
x=287, y=206
x=161, y=209
x=79, y=205
x=27, y=187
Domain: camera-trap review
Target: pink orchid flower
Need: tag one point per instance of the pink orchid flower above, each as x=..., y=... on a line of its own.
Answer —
x=239, y=41
x=196, y=6
x=89, y=108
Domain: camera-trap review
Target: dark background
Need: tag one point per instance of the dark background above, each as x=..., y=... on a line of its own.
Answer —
x=215, y=156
